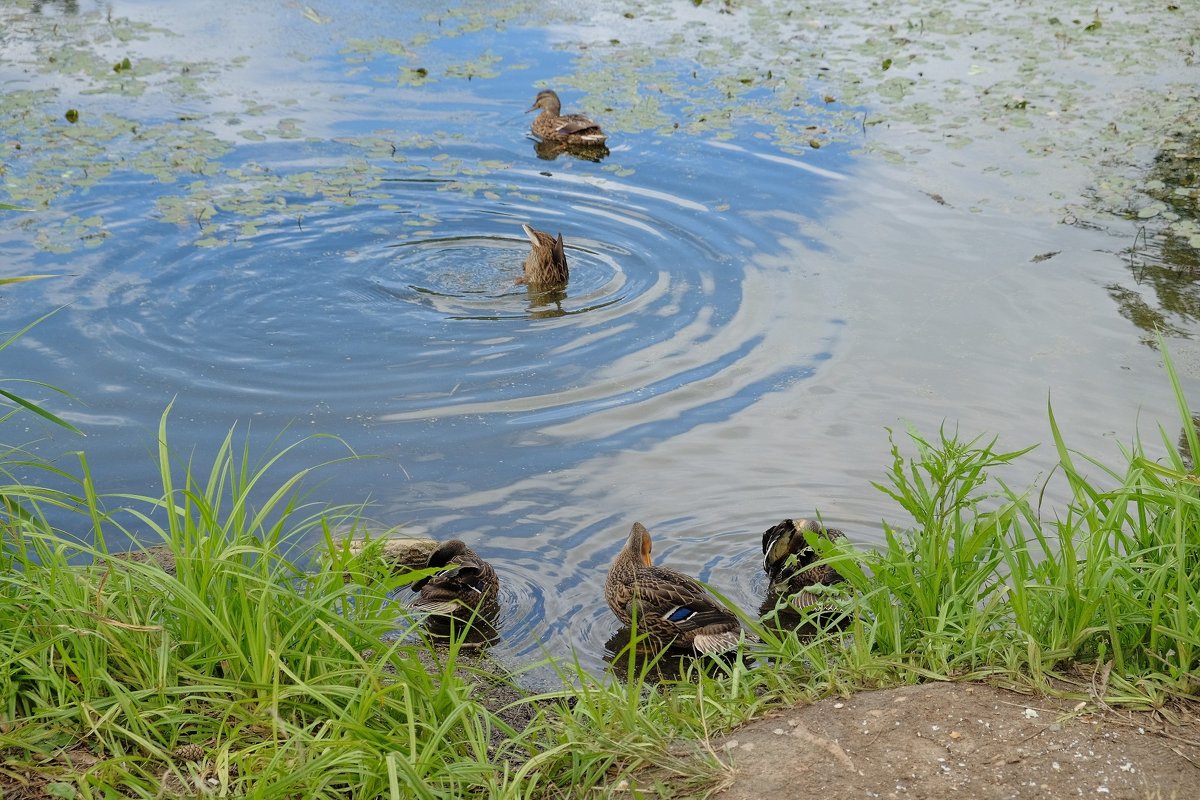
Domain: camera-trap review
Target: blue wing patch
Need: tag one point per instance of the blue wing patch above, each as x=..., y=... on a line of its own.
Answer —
x=678, y=614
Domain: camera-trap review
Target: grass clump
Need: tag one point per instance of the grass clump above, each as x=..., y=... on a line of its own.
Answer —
x=1100, y=599
x=982, y=586
x=236, y=672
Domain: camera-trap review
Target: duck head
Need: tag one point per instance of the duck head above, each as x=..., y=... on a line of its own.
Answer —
x=639, y=544
x=547, y=101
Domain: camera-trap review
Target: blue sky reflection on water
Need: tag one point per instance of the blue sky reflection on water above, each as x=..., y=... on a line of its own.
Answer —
x=742, y=321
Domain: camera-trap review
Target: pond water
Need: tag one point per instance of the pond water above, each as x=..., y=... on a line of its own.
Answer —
x=307, y=219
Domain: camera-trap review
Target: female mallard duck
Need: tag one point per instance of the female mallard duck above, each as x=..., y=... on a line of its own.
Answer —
x=467, y=589
x=788, y=559
x=671, y=607
x=546, y=264
x=552, y=126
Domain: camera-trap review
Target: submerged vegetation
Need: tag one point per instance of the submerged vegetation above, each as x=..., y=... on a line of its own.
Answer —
x=252, y=668
x=1042, y=87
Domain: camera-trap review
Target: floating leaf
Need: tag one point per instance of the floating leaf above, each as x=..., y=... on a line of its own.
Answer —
x=311, y=15
x=72, y=116
x=887, y=64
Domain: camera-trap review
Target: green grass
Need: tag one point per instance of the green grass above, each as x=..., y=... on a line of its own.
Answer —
x=274, y=662
x=279, y=674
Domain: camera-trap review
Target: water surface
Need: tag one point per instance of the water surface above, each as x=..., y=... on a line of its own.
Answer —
x=275, y=220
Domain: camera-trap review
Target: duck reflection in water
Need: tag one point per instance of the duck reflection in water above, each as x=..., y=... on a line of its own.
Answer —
x=793, y=574
x=546, y=303
x=548, y=151
x=461, y=599
x=642, y=657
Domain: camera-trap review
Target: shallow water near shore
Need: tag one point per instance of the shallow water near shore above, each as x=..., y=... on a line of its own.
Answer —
x=308, y=220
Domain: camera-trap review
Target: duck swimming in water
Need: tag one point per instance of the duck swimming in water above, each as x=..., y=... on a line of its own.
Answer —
x=671, y=607
x=553, y=126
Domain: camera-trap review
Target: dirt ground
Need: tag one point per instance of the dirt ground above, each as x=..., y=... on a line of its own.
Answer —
x=962, y=742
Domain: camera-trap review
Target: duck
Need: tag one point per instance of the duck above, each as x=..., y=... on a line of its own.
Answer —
x=788, y=560
x=546, y=264
x=553, y=126
x=672, y=608
x=466, y=589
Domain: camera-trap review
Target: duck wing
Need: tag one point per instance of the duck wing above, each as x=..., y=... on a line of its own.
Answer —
x=576, y=123
x=671, y=602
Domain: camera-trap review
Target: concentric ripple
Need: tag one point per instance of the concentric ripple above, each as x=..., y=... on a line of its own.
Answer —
x=473, y=278
x=367, y=290
x=397, y=326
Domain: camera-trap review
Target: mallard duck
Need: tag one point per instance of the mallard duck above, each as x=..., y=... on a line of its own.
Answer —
x=546, y=264
x=552, y=126
x=468, y=588
x=788, y=559
x=671, y=607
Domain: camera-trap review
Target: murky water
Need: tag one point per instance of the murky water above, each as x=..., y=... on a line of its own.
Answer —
x=336, y=248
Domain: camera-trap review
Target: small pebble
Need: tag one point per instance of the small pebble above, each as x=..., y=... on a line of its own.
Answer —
x=1030, y=714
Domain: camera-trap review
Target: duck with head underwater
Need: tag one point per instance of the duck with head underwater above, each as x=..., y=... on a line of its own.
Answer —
x=672, y=608
x=546, y=265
